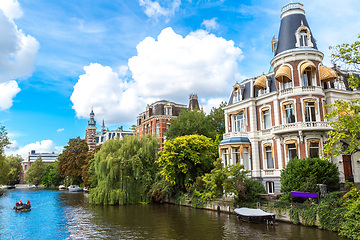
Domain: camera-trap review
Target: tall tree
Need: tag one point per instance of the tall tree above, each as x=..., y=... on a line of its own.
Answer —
x=14, y=163
x=4, y=170
x=88, y=172
x=185, y=158
x=125, y=170
x=217, y=119
x=344, y=118
x=73, y=159
x=50, y=176
x=4, y=140
x=34, y=174
x=189, y=123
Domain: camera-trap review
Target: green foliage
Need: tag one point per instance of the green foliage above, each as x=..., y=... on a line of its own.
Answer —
x=73, y=159
x=190, y=123
x=51, y=178
x=34, y=174
x=303, y=174
x=252, y=189
x=88, y=172
x=217, y=119
x=350, y=226
x=14, y=163
x=4, y=140
x=125, y=170
x=4, y=170
x=347, y=53
x=185, y=158
x=331, y=212
x=161, y=189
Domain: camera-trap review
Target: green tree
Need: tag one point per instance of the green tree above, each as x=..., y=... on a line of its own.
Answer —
x=51, y=178
x=88, y=172
x=344, y=118
x=4, y=140
x=14, y=163
x=299, y=174
x=217, y=119
x=190, y=123
x=34, y=174
x=185, y=158
x=4, y=170
x=125, y=170
x=73, y=159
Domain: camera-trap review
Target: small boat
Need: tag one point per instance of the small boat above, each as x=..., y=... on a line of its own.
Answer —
x=255, y=215
x=62, y=187
x=74, y=188
x=85, y=190
x=22, y=208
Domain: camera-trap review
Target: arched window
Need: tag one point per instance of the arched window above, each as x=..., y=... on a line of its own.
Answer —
x=303, y=38
x=268, y=156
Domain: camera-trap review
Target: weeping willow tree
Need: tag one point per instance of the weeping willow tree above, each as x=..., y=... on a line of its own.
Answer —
x=125, y=170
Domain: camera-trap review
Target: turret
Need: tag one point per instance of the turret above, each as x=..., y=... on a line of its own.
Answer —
x=193, y=102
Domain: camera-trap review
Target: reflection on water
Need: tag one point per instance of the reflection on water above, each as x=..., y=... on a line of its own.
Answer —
x=65, y=215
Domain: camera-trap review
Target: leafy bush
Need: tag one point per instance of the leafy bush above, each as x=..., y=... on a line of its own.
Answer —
x=252, y=190
x=350, y=226
x=304, y=174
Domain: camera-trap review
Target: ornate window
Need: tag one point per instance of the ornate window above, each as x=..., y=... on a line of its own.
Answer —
x=247, y=164
x=310, y=110
x=288, y=111
x=269, y=157
x=225, y=156
x=157, y=129
x=266, y=120
x=239, y=122
x=303, y=36
x=236, y=155
x=291, y=149
x=313, y=147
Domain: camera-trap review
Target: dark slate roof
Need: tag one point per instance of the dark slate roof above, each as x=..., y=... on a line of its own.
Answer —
x=235, y=140
x=288, y=26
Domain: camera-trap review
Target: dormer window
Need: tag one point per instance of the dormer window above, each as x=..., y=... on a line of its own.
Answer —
x=236, y=95
x=303, y=38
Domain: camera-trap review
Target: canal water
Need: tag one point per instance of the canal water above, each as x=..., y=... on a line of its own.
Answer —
x=65, y=215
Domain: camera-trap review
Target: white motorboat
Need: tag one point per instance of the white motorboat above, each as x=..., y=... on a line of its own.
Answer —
x=74, y=188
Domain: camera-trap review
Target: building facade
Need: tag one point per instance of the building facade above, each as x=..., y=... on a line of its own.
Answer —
x=94, y=137
x=155, y=120
x=277, y=116
x=47, y=158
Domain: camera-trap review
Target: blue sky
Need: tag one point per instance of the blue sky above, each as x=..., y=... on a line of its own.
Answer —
x=59, y=59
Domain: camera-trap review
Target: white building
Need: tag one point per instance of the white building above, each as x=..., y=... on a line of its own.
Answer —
x=277, y=116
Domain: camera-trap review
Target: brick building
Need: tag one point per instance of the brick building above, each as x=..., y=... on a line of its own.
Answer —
x=155, y=119
x=47, y=158
x=277, y=116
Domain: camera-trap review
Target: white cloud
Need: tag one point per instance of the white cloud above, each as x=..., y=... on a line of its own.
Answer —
x=210, y=24
x=11, y=8
x=208, y=104
x=153, y=9
x=60, y=130
x=170, y=67
x=17, y=52
x=111, y=98
x=45, y=146
x=8, y=91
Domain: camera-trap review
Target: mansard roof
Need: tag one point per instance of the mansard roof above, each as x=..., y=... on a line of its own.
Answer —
x=293, y=17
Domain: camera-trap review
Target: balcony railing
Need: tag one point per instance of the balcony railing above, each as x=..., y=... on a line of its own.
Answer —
x=286, y=91
x=235, y=134
x=289, y=127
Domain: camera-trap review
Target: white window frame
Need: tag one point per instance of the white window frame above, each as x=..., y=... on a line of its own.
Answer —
x=271, y=156
x=288, y=153
x=236, y=154
x=307, y=109
x=285, y=113
x=239, y=122
x=246, y=152
x=264, y=119
x=225, y=156
x=270, y=187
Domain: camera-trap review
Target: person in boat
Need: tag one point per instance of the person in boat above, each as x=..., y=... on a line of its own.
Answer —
x=28, y=202
x=20, y=203
x=17, y=203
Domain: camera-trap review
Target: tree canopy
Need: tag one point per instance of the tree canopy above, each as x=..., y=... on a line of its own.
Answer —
x=189, y=123
x=4, y=170
x=14, y=163
x=4, y=140
x=51, y=178
x=185, y=158
x=73, y=159
x=34, y=174
x=344, y=117
x=217, y=119
x=125, y=170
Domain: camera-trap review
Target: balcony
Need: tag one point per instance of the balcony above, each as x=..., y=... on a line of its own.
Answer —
x=235, y=134
x=301, y=126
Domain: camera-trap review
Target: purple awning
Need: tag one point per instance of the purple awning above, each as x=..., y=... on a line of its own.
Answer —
x=305, y=194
